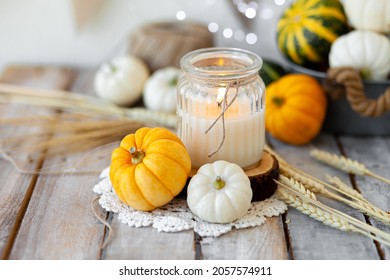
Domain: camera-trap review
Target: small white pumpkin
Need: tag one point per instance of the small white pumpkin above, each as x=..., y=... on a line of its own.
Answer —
x=121, y=80
x=368, y=14
x=160, y=90
x=367, y=51
x=220, y=192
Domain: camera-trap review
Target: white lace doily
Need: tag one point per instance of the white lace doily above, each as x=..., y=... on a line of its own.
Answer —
x=176, y=216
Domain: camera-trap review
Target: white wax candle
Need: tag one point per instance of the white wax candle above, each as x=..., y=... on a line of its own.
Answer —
x=244, y=139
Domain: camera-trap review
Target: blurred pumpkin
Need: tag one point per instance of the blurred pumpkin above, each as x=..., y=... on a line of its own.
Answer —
x=366, y=51
x=121, y=80
x=296, y=108
x=160, y=90
x=307, y=29
x=369, y=15
x=149, y=168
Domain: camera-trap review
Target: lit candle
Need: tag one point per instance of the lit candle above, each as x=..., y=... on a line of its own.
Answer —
x=202, y=100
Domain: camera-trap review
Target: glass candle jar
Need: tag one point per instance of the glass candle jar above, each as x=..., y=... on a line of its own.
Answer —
x=221, y=106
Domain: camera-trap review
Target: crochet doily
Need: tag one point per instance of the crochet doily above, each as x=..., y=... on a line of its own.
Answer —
x=176, y=216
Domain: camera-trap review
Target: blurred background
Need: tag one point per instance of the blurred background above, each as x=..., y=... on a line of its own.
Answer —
x=84, y=33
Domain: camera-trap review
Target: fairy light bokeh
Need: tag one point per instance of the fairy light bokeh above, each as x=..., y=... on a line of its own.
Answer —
x=251, y=11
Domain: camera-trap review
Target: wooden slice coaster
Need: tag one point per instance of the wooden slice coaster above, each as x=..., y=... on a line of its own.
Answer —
x=261, y=177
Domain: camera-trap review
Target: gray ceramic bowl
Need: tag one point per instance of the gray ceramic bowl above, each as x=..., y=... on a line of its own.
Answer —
x=341, y=119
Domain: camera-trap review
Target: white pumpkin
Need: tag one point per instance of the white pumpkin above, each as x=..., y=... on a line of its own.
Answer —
x=366, y=51
x=160, y=90
x=121, y=80
x=220, y=192
x=373, y=15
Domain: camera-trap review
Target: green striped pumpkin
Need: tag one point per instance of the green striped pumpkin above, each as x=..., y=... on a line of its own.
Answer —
x=307, y=29
x=271, y=71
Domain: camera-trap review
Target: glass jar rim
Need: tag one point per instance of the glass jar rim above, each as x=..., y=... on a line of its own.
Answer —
x=251, y=63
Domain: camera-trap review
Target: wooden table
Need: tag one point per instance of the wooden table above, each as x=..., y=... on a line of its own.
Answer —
x=49, y=217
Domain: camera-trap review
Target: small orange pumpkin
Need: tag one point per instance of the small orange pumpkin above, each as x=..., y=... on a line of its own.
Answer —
x=295, y=108
x=149, y=168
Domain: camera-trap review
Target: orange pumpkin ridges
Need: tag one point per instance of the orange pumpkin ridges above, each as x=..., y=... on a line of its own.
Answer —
x=149, y=168
x=296, y=108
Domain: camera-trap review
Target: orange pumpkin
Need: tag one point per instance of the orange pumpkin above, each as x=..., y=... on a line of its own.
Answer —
x=149, y=168
x=295, y=108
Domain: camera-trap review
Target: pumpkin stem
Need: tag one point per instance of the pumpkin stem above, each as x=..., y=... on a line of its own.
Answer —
x=365, y=74
x=136, y=155
x=174, y=81
x=278, y=101
x=112, y=67
x=219, y=183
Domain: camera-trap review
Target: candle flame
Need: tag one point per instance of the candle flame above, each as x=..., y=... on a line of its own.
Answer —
x=221, y=94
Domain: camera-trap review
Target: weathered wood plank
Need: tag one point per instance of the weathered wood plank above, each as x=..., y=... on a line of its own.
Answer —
x=16, y=189
x=374, y=153
x=59, y=223
x=147, y=244
x=265, y=242
x=310, y=239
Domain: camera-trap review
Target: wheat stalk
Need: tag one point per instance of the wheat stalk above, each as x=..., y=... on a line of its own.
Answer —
x=335, y=181
x=340, y=162
x=326, y=217
x=141, y=114
x=138, y=114
x=365, y=208
x=75, y=102
x=345, y=164
x=361, y=204
x=297, y=187
x=312, y=183
x=300, y=175
x=305, y=203
x=83, y=122
x=309, y=183
x=315, y=186
x=313, y=211
x=318, y=186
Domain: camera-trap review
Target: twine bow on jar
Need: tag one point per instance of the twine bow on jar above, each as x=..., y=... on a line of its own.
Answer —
x=353, y=85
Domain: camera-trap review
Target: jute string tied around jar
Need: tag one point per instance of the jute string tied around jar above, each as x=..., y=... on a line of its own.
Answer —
x=225, y=103
x=354, y=91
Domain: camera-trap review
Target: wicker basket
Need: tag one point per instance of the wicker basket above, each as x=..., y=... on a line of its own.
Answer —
x=163, y=44
x=341, y=119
